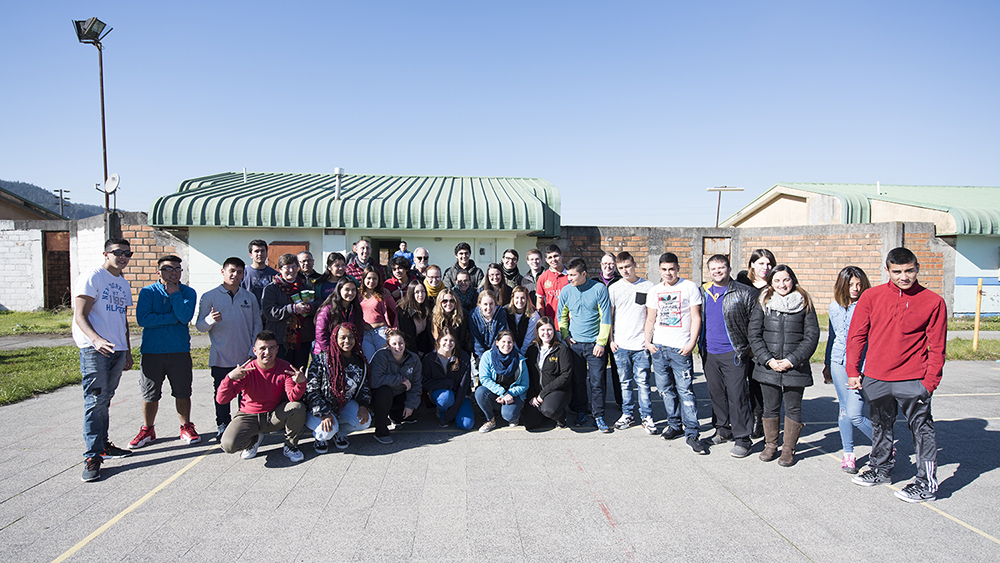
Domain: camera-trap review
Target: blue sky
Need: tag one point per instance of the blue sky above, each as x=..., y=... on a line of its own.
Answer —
x=632, y=109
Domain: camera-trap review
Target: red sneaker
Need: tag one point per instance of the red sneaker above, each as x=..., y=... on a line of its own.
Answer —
x=189, y=434
x=145, y=436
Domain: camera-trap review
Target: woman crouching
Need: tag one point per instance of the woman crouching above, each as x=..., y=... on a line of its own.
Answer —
x=503, y=382
x=337, y=391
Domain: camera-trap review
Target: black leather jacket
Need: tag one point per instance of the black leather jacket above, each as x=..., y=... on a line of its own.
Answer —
x=737, y=305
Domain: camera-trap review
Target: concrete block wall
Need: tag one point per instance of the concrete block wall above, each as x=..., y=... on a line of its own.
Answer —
x=21, y=278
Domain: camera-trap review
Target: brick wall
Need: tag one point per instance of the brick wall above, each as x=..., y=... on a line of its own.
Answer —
x=816, y=253
x=930, y=254
x=816, y=259
x=141, y=270
x=590, y=243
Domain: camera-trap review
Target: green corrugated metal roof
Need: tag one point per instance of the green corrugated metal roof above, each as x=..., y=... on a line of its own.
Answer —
x=368, y=201
x=976, y=209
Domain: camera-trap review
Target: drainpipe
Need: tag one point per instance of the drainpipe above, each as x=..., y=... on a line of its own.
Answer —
x=339, y=172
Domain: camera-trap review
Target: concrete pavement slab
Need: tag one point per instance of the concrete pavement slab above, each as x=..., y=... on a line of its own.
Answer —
x=510, y=495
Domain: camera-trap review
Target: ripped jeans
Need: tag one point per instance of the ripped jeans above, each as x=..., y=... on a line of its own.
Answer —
x=673, y=374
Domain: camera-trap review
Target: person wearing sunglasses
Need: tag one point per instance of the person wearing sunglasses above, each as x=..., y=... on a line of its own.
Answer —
x=421, y=260
x=101, y=298
x=164, y=310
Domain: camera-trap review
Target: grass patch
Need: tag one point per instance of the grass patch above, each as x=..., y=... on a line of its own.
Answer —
x=13, y=323
x=954, y=323
x=958, y=350
x=31, y=371
x=969, y=323
x=36, y=370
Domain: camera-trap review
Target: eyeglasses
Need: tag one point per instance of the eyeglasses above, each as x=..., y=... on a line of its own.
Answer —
x=421, y=258
x=169, y=269
x=447, y=300
x=119, y=253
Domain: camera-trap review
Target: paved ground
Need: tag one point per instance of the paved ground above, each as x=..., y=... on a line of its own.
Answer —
x=511, y=495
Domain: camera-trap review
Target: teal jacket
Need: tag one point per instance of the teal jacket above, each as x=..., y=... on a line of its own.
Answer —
x=487, y=377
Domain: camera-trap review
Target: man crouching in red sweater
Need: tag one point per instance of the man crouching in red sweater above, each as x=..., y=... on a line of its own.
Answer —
x=271, y=389
x=903, y=325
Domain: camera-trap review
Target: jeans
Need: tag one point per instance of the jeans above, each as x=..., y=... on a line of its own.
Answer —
x=852, y=404
x=673, y=381
x=634, y=365
x=223, y=412
x=595, y=376
x=487, y=401
x=343, y=424
x=444, y=399
x=373, y=341
x=101, y=375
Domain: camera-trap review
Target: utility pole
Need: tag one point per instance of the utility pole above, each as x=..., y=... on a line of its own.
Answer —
x=62, y=198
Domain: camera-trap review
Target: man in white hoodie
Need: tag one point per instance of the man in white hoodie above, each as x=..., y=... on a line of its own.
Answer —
x=231, y=317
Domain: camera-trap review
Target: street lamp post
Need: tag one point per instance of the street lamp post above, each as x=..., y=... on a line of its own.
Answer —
x=718, y=206
x=92, y=31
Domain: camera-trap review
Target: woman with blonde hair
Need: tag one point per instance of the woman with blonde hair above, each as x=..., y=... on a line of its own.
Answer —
x=784, y=334
x=448, y=313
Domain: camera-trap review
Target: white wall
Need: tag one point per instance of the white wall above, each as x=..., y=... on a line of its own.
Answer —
x=209, y=247
x=21, y=279
x=86, y=248
x=977, y=257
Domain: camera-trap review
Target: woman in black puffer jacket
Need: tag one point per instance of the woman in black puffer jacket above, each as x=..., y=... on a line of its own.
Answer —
x=783, y=334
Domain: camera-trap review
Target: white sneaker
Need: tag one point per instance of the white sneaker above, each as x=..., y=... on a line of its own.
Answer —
x=293, y=454
x=251, y=451
x=624, y=422
x=222, y=430
x=650, y=426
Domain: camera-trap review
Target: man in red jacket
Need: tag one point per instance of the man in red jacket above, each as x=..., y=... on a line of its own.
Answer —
x=904, y=325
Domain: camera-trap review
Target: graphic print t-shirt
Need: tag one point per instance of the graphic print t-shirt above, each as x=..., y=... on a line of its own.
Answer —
x=112, y=296
x=673, y=312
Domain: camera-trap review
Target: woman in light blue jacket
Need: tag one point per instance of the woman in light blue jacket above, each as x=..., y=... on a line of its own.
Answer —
x=503, y=382
x=851, y=283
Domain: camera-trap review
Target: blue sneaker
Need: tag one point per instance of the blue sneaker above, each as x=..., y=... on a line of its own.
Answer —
x=581, y=418
x=599, y=423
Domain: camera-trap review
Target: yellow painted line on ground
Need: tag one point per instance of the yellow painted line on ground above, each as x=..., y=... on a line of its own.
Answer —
x=69, y=553
x=930, y=507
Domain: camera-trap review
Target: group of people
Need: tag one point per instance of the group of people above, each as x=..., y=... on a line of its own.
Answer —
x=351, y=347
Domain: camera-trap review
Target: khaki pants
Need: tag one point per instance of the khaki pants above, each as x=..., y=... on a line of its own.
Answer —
x=244, y=428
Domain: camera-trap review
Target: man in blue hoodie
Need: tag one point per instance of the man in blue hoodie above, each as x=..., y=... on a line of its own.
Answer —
x=164, y=310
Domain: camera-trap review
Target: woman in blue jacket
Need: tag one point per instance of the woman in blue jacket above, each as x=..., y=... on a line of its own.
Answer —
x=851, y=283
x=503, y=382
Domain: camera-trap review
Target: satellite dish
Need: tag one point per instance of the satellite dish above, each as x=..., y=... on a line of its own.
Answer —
x=111, y=184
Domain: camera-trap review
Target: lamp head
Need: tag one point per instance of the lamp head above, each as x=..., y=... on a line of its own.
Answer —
x=90, y=30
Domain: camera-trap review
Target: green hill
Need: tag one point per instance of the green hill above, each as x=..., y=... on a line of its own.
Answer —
x=49, y=200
